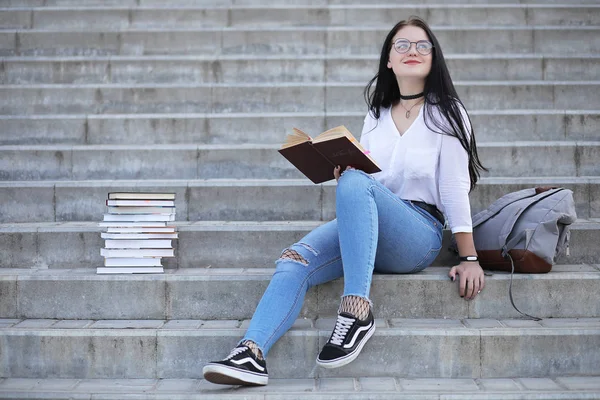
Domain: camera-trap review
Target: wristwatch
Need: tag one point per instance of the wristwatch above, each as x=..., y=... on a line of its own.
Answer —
x=469, y=258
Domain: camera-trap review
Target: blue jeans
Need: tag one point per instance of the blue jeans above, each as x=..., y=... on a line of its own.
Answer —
x=374, y=231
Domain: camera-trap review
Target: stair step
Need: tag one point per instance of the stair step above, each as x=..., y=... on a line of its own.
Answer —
x=193, y=293
x=208, y=243
x=152, y=349
x=283, y=97
x=571, y=388
x=225, y=199
x=293, y=40
x=81, y=17
x=268, y=128
x=233, y=69
x=225, y=3
x=248, y=161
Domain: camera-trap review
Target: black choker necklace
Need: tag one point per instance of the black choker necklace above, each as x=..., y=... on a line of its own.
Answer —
x=412, y=96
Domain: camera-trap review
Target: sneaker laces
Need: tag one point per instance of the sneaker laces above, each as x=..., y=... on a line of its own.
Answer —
x=342, y=325
x=235, y=352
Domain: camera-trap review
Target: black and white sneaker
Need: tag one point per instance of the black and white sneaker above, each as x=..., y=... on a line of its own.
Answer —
x=240, y=367
x=347, y=340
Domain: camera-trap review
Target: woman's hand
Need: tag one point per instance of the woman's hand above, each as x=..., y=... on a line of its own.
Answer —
x=337, y=174
x=472, y=279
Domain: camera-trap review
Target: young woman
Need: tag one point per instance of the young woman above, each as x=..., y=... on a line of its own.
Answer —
x=391, y=222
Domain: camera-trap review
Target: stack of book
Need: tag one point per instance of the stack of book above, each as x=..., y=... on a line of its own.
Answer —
x=139, y=232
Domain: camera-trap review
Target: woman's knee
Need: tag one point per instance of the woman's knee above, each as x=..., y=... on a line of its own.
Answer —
x=352, y=181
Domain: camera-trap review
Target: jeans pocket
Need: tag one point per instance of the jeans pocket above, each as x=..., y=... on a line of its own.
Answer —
x=427, y=260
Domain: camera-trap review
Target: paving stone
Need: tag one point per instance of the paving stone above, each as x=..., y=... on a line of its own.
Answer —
x=176, y=385
x=220, y=324
x=116, y=385
x=56, y=384
x=337, y=385
x=425, y=323
x=520, y=323
x=446, y=385
x=369, y=385
x=215, y=391
x=573, y=268
x=580, y=382
x=20, y=384
x=73, y=324
x=183, y=324
x=299, y=386
x=499, y=385
x=35, y=324
x=482, y=323
x=571, y=322
x=539, y=384
x=127, y=324
x=7, y=323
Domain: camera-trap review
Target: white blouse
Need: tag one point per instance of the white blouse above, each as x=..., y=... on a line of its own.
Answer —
x=422, y=165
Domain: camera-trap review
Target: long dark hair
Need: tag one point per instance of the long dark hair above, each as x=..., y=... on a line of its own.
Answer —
x=440, y=96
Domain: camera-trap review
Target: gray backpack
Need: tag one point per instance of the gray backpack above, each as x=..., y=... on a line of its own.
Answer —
x=524, y=231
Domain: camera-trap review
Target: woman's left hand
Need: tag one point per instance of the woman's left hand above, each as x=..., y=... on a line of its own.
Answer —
x=472, y=278
x=337, y=172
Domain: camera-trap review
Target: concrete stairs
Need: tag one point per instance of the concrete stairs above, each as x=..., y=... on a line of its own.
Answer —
x=194, y=97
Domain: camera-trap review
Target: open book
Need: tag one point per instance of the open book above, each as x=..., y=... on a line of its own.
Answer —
x=316, y=158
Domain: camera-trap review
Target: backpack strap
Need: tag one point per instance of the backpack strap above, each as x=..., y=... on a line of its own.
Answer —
x=500, y=204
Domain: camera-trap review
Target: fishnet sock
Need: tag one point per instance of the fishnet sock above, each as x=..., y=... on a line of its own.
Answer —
x=355, y=305
x=293, y=255
x=253, y=348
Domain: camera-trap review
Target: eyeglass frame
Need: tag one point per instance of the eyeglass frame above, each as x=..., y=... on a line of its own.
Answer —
x=410, y=45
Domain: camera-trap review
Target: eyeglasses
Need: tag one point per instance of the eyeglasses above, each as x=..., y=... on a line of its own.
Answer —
x=424, y=47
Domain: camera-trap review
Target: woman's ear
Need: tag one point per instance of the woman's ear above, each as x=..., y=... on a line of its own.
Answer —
x=389, y=64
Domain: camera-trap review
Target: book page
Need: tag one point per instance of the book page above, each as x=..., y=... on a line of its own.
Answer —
x=296, y=138
x=338, y=131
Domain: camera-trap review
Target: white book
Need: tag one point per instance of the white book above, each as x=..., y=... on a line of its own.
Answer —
x=130, y=270
x=120, y=253
x=126, y=224
x=137, y=244
x=140, y=210
x=141, y=195
x=133, y=262
x=141, y=203
x=141, y=229
x=139, y=217
x=138, y=236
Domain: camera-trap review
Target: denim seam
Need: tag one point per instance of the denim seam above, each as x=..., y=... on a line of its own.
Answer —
x=308, y=276
x=371, y=252
x=420, y=263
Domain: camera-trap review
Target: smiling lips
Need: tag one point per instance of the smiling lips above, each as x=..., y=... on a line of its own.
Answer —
x=412, y=62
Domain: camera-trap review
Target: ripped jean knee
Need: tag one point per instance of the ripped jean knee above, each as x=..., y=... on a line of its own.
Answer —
x=292, y=253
